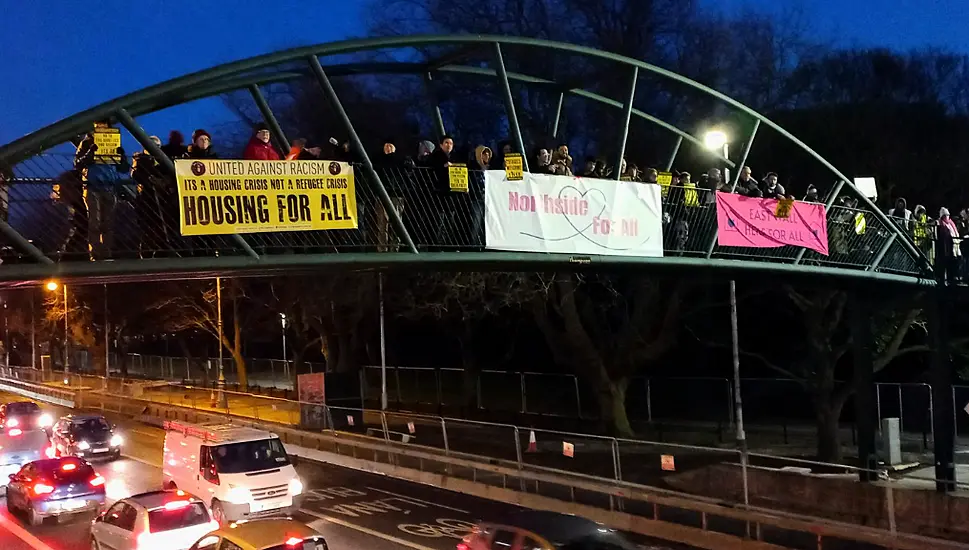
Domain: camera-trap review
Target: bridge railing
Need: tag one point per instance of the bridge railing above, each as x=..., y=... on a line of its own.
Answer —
x=47, y=204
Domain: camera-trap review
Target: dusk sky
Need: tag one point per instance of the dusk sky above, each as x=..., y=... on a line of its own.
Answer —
x=60, y=58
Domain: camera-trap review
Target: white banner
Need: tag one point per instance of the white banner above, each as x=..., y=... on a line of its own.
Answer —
x=571, y=215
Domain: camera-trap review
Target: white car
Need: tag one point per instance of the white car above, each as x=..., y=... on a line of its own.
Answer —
x=240, y=472
x=158, y=520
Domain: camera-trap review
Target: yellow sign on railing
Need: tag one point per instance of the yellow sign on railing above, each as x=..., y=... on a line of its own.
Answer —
x=458, y=177
x=514, y=167
x=108, y=141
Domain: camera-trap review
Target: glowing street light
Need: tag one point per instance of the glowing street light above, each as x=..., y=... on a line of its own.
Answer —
x=52, y=286
x=715, y=140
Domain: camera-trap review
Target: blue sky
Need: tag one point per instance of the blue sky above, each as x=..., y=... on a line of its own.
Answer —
x=60, y=58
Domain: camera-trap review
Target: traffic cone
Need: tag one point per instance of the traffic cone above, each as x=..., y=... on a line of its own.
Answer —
x=532, y=444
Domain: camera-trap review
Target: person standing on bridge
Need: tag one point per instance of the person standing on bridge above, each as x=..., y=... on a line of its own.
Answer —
x=259, y=147
x=201, y=148
x=103, y=179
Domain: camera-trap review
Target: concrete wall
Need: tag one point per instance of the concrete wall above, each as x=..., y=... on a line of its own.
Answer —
x=916, y=511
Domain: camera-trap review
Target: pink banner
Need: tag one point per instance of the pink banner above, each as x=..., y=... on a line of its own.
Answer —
x=746, y=221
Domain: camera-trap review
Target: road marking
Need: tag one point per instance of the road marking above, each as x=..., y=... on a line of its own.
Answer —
x=434, y=504
x=143, y=461
x=23, y=534
x=371, y=532
x=149, y=434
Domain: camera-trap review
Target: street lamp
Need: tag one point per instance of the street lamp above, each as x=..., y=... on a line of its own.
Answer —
x=282, y=322
x=52, y=286
x=717, y=140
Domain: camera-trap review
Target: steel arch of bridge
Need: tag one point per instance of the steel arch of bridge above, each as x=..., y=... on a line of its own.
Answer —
x=252, y=73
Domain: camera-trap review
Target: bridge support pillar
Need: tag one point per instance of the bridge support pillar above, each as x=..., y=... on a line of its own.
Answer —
x=863, y=368
x=626, y=116
x=436, y=106
x=516, y=131
x=943, y=410
x=392, y=213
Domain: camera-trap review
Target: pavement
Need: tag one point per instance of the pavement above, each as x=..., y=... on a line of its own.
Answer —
x=352, y=509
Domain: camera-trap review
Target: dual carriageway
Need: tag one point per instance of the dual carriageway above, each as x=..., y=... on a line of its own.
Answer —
x=351, y=508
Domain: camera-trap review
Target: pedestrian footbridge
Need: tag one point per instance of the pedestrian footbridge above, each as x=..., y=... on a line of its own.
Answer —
x=206, y=217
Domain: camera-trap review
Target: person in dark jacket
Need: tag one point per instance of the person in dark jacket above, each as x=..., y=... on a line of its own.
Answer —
x=103, y=180
x=259, y=147
x=447, y=204
x=150, y=183
x=69, y=191
x=201, y=147
x=393, y=172
x=175, y=148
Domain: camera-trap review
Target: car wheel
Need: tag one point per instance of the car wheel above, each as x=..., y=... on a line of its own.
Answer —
x=218, y=513
x=33, y=518
x=170, y=486
x=94, y=544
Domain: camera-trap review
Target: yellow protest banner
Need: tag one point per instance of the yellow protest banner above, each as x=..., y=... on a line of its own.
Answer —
x=223, y=197
x=108, y=141
x=784, y=207
x=514, y=167
x=458, y=177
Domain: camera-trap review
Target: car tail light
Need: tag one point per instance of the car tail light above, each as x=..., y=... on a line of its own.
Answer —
x=68, y=466
x=293, y=541
x=50, y=452
x=15, y=432
x=463, y=546
x=97, y=481
x=42, y=489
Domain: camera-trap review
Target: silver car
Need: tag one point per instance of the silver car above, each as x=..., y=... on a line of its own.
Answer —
x=168, y=520
x=20, y=446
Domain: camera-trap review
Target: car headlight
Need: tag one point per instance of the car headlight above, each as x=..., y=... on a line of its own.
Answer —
x=46, y=420
x=295, y=486
x=12, y=422
x=83, y=445
x=116, y=440
x=238, y=495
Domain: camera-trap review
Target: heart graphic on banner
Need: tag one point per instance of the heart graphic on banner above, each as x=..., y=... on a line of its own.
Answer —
x=597, y=205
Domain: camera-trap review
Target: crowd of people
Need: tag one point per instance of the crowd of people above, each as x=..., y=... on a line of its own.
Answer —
x=93, y=189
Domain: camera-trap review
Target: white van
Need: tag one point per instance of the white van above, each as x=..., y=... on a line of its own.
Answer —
x=242, y=473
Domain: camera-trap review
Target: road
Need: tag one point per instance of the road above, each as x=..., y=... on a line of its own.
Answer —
x=352, y=509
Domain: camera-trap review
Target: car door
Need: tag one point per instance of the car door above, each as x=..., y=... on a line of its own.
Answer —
x=206, y=476
x=17, y=488
x=116, y=531
x=208, y=542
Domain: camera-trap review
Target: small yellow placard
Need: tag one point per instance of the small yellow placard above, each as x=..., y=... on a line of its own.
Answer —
x=784, y=207
x=514, y=167
x=458, y=177
x=108, y=141
x=664, y=178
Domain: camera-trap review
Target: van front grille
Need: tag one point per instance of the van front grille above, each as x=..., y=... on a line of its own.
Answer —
x=274, y=491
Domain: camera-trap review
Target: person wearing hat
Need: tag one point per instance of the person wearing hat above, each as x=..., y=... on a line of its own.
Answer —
x=201, y=147
x=259, y=147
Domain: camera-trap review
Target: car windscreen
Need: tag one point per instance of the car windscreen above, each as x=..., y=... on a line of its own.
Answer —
x=22, y=408
x=250, y=456
x=61, y=472
x=91, y=427
x=29, y=440
x=166, y=519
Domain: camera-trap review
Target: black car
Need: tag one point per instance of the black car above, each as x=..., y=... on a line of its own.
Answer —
x=540, y=530
x=25, y=415
x=55, y=487
x=86, y=435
